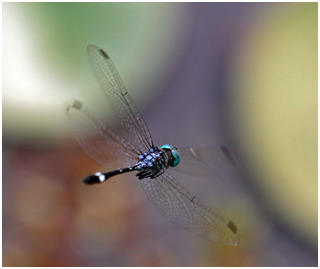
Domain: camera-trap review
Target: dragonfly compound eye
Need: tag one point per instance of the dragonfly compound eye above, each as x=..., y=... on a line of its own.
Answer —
x=175, y=154
x=176, y=157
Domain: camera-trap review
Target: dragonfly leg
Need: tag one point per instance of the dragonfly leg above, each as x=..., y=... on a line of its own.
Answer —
x=146, y=174
x=143, y=174
x=158, y=174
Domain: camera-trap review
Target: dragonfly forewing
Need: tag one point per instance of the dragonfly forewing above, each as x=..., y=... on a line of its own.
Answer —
x=187, y=211
x=208, y=162
x=119, y=99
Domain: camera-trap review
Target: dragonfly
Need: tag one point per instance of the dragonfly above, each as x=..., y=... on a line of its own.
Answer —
x=140, y=155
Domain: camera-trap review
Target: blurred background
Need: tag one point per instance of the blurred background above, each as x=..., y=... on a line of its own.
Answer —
x=241, y=74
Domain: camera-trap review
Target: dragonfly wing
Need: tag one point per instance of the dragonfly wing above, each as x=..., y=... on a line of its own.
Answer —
x=119, y=99
x=98, y=140
x=185, y=210
x=213, y=161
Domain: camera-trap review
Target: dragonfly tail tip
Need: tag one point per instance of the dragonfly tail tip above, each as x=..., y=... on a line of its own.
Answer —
x=91, y=180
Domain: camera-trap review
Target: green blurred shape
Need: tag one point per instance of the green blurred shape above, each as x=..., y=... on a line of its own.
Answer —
x=48, y=44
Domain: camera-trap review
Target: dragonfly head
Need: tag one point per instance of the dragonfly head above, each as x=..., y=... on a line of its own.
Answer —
x=175, y=154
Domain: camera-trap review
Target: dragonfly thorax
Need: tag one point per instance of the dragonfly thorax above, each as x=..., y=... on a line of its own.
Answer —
x=156, y=161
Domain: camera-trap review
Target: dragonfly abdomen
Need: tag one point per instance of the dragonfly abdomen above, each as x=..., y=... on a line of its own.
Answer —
x=151, y=164
x=102, y=177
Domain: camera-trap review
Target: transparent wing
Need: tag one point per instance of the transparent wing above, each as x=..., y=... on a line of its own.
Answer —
x=99, y=141
x=119, y=99
x=213, y=161
x=185, y=210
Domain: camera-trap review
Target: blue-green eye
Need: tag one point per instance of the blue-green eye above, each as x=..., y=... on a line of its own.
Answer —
x=167, y=146
x=175, y=154
x=176, y=157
